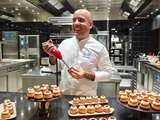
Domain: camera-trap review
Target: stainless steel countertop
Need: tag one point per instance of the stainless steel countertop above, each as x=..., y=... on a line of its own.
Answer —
x=38, y=74
x=10, y=62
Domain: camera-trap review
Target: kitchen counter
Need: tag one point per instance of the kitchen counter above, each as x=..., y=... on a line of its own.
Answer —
x=27, y=110
x=11, y=70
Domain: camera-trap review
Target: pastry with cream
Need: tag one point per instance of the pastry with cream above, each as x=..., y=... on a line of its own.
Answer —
x=112, y=118
x=48, y=94
x=106, y=108
x=133, y=102
x=156, y=105
x=144, y=104
x=38, y=95
x=5, y=114
x=82, y=109
x=98, y=108
x=90, y=109
x=73, y=109
x=103, y=98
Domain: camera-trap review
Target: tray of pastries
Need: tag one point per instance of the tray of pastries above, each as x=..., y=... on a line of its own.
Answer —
x=89, y=110
x=7, y=110
x=101, y=118
x=42, y=93
x=143, y=101
x=89, y=100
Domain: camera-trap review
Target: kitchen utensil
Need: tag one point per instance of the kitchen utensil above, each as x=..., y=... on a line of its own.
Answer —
x=57, y=53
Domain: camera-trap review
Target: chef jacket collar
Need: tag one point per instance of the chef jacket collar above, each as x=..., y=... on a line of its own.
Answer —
x=83, y=40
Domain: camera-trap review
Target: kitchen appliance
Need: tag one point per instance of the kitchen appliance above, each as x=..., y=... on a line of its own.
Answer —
x=29, y=47
x=10, y=45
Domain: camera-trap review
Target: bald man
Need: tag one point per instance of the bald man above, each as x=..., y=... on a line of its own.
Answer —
x=88, y=59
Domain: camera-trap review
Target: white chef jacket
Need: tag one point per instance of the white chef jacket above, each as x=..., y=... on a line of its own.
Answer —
x=88, y=54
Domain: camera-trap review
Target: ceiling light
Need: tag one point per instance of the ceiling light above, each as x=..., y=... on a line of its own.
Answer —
x=53, y=2
x=134, y=2
x=4, y=8
x=156, y=9
x=80, y=1
x=58, y=6
x=19, y=3
x=125, y=14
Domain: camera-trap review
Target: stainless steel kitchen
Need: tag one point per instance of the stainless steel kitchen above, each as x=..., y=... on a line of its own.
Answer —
x=128, y=29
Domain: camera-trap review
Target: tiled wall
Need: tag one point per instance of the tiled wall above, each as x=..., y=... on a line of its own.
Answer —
x=143, y=40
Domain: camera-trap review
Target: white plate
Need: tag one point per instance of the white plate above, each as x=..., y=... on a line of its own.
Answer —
x=71, y=102
x=11, y=116
x=87, y=114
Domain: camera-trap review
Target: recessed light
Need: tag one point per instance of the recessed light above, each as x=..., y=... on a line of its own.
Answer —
x=4, y=8
x=19, y=3
x=26, y=7
x=156, y=9
x=147, y=15
x=151, y=12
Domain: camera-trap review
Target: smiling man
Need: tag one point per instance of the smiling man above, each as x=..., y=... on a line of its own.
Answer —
x=88, y=59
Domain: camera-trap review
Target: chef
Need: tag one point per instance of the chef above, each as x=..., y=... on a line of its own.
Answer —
x=88, y=60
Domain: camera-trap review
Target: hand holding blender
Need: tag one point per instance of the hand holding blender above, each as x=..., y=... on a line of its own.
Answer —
x=56, y=52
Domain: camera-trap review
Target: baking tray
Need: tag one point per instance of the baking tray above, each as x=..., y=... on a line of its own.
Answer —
x=41, y=100
x=138, y=108
x=88, y=114
x=71, y=102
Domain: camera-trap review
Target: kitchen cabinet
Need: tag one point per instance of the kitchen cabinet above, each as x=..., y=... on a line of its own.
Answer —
x=3, y=79
x=121, y=50
x=117, y=51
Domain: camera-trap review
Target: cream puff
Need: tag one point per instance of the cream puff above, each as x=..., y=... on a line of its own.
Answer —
x=95, y=98
x=48, y=94
x=37, y=88
x=139, y=98
x=133, y=102
x=90, y=109
x=128, y=91
x=46, y=85
x=10, y=108
x=102, y=118
x=133, y=95
x=76, y=100
x=73, y=109
x=89, y=99
x=106, y=108
x=30, y=93
x=43, y=89
x=124, y=98
x=103, y=98
x=112, y=118
x=5, y=114
x=122, y=92
x=98, y=108
x=156, y=105
x=151, y=99
x=38, y=95
x=82, y=109
x=53, y=86
x=144, y=104
x=6, y=102
x=82, y=100
x=56, y=92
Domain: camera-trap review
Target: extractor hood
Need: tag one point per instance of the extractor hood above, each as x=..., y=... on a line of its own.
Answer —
x=63, y=20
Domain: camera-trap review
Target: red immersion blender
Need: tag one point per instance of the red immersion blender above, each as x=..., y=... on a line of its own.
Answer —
x=57, y=53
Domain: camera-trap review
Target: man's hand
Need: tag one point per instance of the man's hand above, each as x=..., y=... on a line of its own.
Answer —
x=77, y=73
